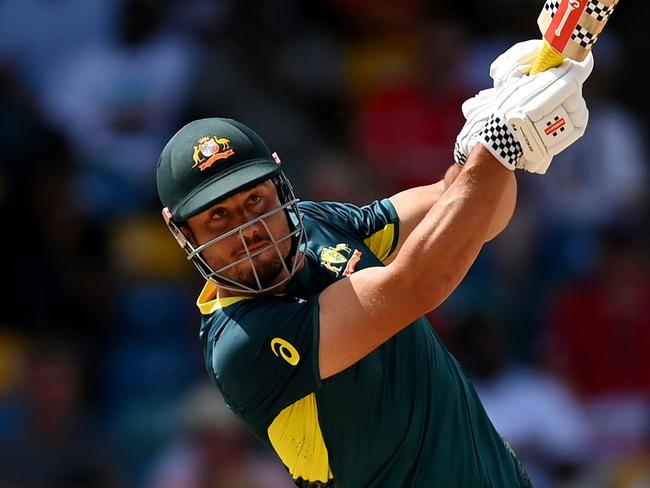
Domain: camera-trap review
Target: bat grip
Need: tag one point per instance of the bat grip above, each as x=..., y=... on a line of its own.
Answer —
x=546, y=59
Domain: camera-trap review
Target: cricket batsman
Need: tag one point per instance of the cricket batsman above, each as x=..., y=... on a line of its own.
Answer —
x=312, y=312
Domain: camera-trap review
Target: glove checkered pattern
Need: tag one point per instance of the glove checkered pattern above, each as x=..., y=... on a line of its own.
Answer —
x=501, y=142
x=459, y=156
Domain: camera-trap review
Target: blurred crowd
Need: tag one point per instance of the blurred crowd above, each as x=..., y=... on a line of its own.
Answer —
x=101, y=376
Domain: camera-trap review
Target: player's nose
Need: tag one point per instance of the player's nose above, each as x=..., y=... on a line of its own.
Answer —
x=252, y=228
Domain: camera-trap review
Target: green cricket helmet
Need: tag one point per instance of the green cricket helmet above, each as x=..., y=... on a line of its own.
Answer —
x=208, y=161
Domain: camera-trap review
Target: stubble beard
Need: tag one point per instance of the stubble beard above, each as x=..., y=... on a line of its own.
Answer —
x=266, y=273
x=268, y=266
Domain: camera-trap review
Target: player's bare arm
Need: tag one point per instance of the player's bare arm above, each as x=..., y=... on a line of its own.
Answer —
x=287, y=300
x=413, y=204
x=360, y=313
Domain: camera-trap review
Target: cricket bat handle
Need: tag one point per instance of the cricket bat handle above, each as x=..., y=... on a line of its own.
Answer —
x=546, y=59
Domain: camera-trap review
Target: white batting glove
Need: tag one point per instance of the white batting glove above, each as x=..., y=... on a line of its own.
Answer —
x=515, y=62
x=510, y=65
x=477, y=111
x=538, y=116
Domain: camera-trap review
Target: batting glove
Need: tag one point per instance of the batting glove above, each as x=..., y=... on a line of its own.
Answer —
x=476, y=110
x=515, y=62
x=510, y=65
x=538, y=116
x=528, y=119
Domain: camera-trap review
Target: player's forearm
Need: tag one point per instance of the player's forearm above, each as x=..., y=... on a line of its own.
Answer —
x=439, y=252
x=506, y=206
x=505, y=209
x=450, y=175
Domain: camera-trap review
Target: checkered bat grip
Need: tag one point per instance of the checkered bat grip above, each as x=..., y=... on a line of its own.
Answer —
x=498, y=139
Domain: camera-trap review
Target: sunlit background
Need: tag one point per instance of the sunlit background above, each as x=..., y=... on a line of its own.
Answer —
x=101, y=377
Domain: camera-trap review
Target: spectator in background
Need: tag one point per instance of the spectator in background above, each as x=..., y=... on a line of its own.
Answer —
x=599, y=341
x=556, y=233
x=12, y=359
x=603, y=180
x=55, y=250
x=118, y=103
x=291, y=90
x=403, y=87
x=214, y=450
x=37, y=37
x=285, y=61
x=545, y=424
x=55, y=445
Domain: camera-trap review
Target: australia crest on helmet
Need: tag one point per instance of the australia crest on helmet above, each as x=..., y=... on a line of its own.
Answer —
x=210, y=149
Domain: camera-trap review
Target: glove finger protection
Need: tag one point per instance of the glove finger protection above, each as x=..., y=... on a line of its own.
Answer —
x=580, y=116
x=515, y=62
x=577, y=110
x=561, y=136
x=561, y=80
x=559, y=83
x=476, y=111
x=530, y=119
x=574, y=102
x=481, y=99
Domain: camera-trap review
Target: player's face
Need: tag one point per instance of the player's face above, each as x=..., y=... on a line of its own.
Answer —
x=230, y=214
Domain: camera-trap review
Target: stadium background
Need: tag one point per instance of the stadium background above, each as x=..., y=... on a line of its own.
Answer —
x=101, y=380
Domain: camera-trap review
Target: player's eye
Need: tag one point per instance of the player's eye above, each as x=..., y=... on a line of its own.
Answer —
x=218, y=214
x=254, y=199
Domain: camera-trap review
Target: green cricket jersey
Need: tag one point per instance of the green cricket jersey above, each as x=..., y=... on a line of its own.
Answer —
x=403, y=416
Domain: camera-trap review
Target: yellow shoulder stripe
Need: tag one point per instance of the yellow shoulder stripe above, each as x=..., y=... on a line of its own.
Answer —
x=296, y=437
x=381, y=242
x=209, y=300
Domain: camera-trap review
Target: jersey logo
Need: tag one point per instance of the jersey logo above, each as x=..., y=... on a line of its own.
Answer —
x=285, y=350
x=335, y=258
x=210, y=149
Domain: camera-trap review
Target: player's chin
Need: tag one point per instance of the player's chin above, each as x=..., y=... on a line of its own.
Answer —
x=267, y=270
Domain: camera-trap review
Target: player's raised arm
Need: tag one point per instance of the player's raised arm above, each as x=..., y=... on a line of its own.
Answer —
x=360, y=313
x=413, y=204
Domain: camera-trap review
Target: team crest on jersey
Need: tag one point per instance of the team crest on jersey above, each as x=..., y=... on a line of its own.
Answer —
x=340, y=259
x=210, y=149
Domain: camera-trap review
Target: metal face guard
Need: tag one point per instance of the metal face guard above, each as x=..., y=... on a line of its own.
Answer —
x=290, y=263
